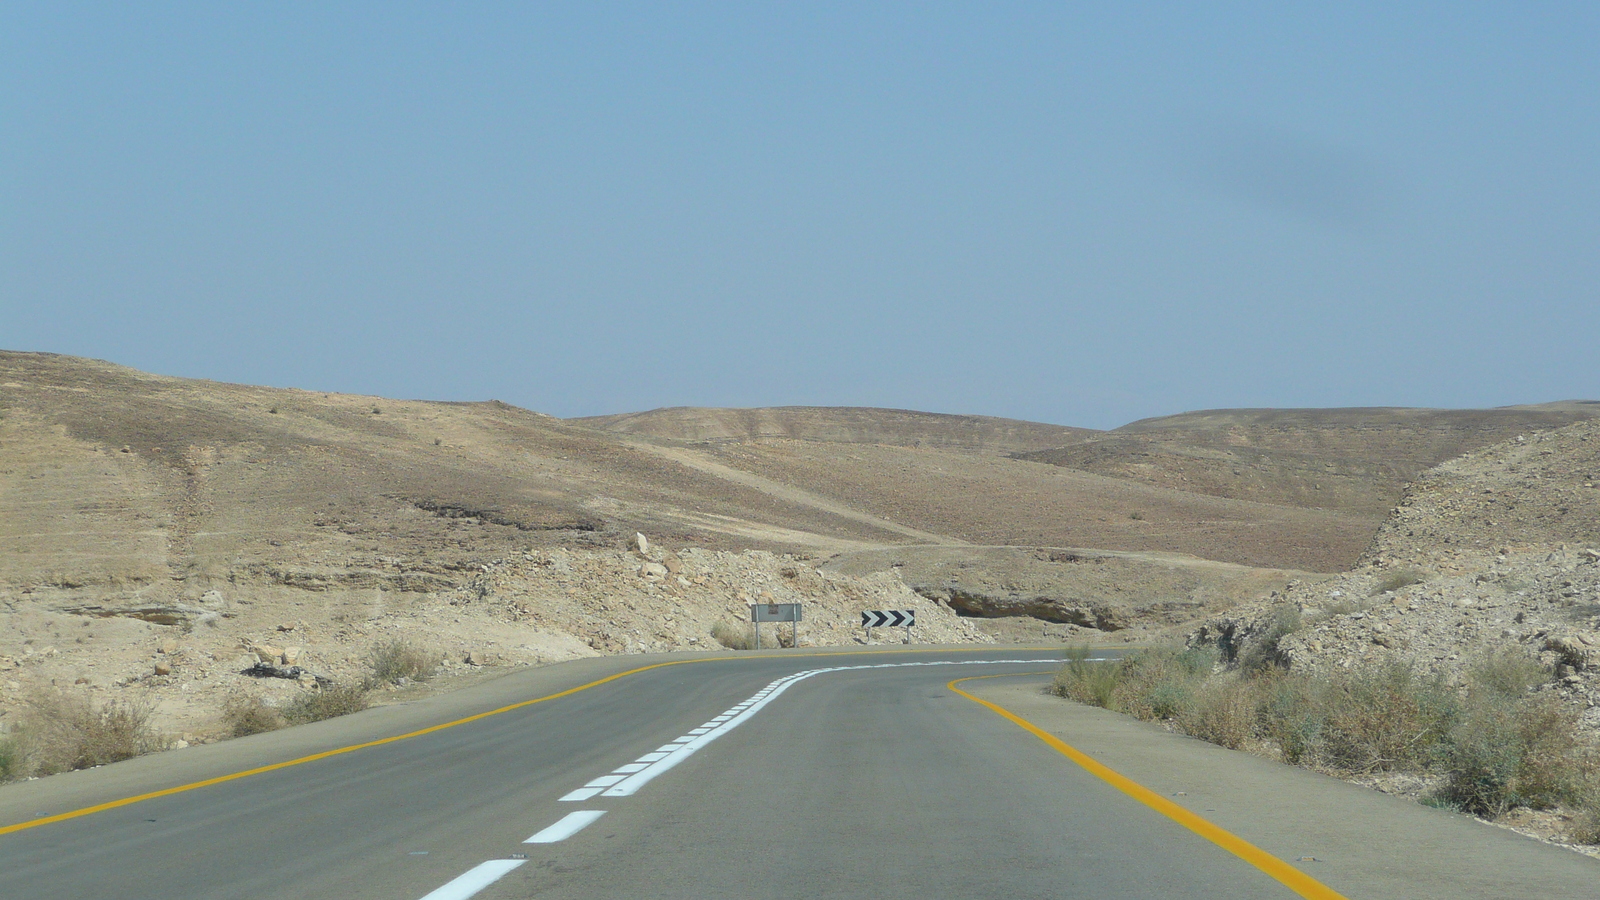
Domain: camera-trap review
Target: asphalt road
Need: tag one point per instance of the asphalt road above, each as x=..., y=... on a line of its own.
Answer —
x=726, y=778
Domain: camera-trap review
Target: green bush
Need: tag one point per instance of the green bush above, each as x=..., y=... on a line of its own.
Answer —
x=326, y=703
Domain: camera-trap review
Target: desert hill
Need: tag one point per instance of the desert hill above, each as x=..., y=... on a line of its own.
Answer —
x=1497, y=549
x=1356, y=460
x=846, y=425
x=159, y=532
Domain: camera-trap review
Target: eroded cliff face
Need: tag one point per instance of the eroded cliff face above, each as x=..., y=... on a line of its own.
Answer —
x=1093, y=591
x=1497, y=550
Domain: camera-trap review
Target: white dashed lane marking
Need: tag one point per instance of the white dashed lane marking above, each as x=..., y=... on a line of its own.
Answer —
x=475, y=879
x=570, y=824
x=627, y=779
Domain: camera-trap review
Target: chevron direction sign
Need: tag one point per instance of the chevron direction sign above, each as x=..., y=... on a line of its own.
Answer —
x=873, y=618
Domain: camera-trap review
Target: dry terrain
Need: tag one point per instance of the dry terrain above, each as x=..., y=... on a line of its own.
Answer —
x=1497, y=549
x=1486, y=578
x=159, y=534
x=1355, y=460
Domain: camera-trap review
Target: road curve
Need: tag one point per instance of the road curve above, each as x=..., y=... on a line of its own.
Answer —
x=789, y=774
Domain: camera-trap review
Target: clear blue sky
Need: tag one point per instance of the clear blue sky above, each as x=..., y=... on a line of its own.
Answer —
x=1076, y=213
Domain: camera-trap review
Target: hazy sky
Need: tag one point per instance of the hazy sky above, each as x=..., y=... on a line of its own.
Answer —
x=1076, y=213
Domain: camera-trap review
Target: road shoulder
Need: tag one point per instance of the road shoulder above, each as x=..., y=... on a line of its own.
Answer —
x=1364, y=844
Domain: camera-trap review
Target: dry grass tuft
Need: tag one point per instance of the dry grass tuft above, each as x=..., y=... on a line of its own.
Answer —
x=1398, y=579
x=61, y=731
x=326, y=703
x=399, y=659
x=734, y=637
x=246, y=714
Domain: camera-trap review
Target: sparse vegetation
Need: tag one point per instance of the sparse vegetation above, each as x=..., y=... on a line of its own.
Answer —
x=61, y=731
x=1398, y=579
x=10, y=758
x=1494, y=743
x=734, y=637
x=326, y=703
x=1263, y=652
x=400, y=659
x=247, y=714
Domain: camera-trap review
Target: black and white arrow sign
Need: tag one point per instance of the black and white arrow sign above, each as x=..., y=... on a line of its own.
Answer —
x=872, y=618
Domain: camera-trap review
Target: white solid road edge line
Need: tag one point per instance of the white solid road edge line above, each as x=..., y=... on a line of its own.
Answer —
x=569, y=825
x=475, y=879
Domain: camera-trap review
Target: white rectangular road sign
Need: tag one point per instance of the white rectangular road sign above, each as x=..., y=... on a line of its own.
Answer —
x=774, y=612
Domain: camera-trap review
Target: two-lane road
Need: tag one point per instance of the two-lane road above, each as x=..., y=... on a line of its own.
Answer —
x=782, y=775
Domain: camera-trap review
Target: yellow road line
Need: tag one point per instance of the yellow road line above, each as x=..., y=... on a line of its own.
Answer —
x=220, y=779
x=1287, y=875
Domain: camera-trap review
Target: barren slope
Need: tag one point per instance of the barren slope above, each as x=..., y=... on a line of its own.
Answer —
x=845, y=425
x=990, y=500
x=1497, y=549
x=1357, y=460
x=118, y=479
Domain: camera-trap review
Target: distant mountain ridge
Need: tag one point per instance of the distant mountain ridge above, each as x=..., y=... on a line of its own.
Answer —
x=850, y=425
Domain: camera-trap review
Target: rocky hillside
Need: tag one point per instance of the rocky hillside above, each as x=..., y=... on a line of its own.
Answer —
x=1355, y=460
x=1498, y=549
x=532, y=607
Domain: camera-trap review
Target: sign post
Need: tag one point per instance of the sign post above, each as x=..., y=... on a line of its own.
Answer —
x=776, y=612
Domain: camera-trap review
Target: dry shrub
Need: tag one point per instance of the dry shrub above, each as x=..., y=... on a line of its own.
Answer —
x=1398, y=579
x=399, y=659
x=246, y=714
x=1293, y=714
x=1508, y=672
x=1497, y=743
x=1160, y=683
x=1383, y=718
x=1262, y=652
x=1223, y=712
x=10, y=758
x=1087, y=681
x=1585, y=827
x=62, y=731
x=1508, y=752
x=734, y=637
x=1156, y=683
x=326, y=703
